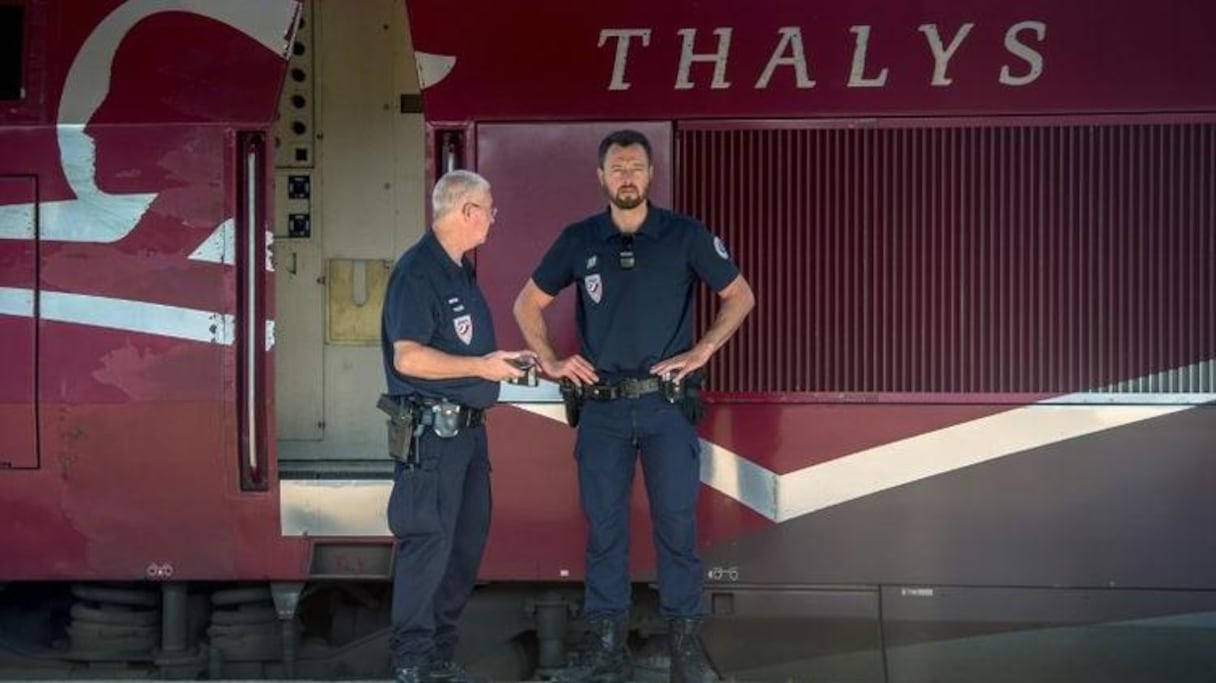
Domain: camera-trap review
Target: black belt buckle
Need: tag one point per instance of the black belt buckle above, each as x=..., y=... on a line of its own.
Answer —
x=630, y=388
x=600, y=392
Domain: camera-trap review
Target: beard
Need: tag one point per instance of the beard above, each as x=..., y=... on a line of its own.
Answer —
x=626, y=197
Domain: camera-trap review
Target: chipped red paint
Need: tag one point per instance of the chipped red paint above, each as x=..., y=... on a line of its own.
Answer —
x=136, y=461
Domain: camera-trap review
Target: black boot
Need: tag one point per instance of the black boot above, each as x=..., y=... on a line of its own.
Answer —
x=413, y=674
x=448, y=671
x=688, y=661
x=605, y=656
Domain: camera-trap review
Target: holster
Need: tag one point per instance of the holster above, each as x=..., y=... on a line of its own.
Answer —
x=690, y=401
x=400, y=427
x=572, y=397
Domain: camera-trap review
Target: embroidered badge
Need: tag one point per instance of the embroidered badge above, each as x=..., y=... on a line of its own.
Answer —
x=594, y=286
x=464, y=328
x=591, y=261
x=720, y=247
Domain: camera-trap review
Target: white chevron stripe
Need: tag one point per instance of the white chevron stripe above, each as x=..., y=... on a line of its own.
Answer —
x=781, y=497
x=925, y=455
x=220, y=246
x=356, y=507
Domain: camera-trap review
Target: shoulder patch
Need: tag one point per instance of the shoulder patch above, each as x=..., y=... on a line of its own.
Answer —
x=720, y=247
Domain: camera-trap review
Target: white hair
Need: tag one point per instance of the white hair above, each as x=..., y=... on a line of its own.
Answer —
x=453, y=189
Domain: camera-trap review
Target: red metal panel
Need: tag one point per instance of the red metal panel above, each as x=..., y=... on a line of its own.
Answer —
x=1018, y=259
x=18, y=338
x=683, y=59
x=136, y=354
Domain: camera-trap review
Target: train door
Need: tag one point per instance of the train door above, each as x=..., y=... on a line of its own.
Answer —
x=19, y=102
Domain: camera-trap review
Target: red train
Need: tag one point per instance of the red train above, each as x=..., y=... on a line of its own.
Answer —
x=964, y=436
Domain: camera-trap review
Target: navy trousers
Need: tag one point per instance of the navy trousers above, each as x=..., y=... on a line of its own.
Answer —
x=439, y=514
x=610, y=436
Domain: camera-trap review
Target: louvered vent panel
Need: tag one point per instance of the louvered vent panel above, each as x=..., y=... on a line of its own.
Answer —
x=968, y=260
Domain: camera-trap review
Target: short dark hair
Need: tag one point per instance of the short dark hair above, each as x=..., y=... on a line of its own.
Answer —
x=624, y=138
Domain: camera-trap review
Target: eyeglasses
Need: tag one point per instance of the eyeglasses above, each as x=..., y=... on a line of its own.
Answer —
x=491, y=211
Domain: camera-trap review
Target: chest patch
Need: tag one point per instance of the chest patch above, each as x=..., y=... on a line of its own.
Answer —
x=464, y=328
x=594, y=286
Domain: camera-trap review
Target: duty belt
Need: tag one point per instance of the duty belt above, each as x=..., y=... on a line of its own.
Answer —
x=425, y=411
x=626, y=388
x=465, y=416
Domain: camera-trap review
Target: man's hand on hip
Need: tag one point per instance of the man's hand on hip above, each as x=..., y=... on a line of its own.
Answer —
x=685, y=363
x=575, y=368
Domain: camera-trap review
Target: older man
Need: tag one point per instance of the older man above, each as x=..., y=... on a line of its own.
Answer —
x=443, y=372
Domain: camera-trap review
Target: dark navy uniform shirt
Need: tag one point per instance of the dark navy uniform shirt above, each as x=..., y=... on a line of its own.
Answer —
x=630, y=319
x=433, y=301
